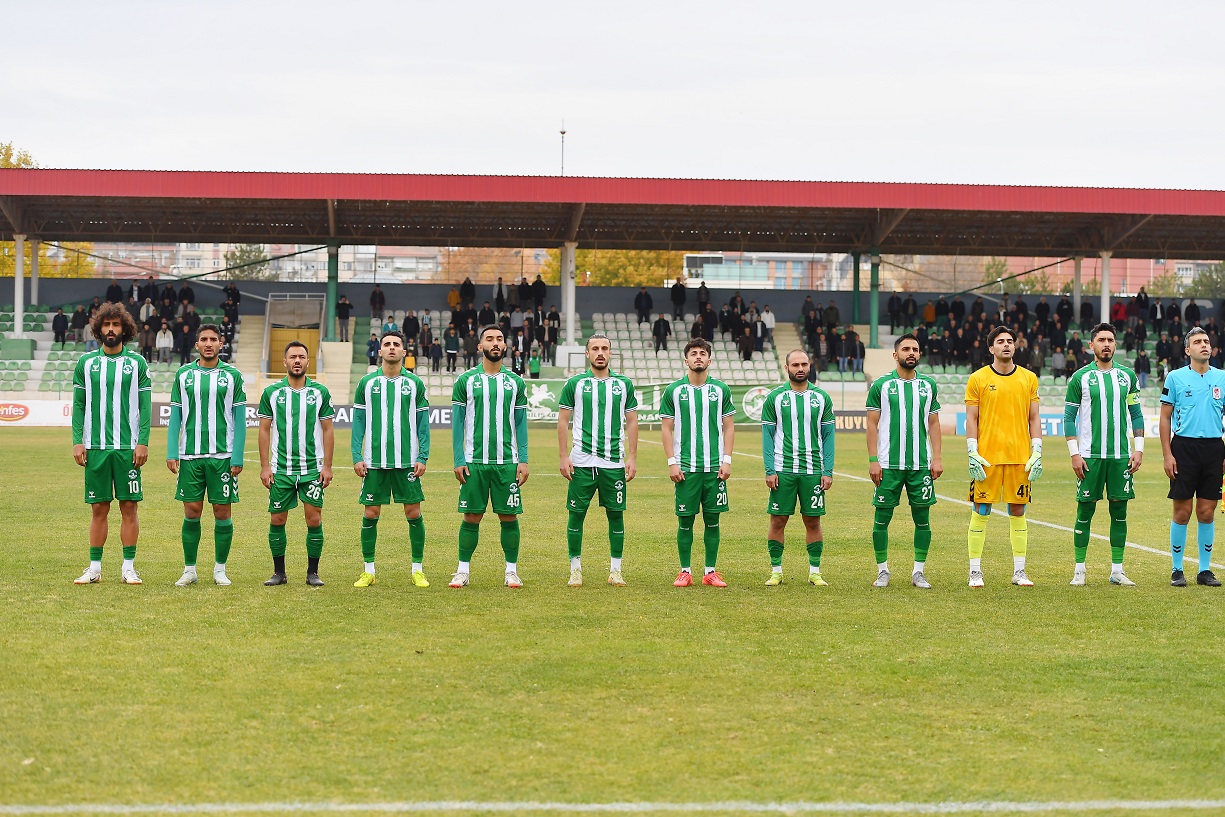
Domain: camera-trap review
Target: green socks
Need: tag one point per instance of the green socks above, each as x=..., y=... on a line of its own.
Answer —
x=922, y=532
x=1080, y=534
x=129, y=552
x=369, y=536
x=1118, y=531
x=276, y=540
x=710, y=537
x=574, y=534
x=314, y=542
x=776, y=552
x=191, y=541
x=416, y=539
x=814, y=553
x=510, y=541
x=616, y=533
x=95, y=554
x=469, y=536
x=684, y=540
x=223, y=538
x=880, y=533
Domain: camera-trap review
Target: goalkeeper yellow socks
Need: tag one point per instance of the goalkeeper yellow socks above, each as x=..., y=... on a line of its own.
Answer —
x=1018, y=534
x=977, y=536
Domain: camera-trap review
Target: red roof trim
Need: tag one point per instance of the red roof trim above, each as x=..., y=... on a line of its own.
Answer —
x=547, y=189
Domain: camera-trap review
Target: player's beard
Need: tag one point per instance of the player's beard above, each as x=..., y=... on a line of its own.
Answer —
x=493, y=355
x=1105, y=357
x=599, y=367
x=797, y=377
x=907, y=364
x=110, y=340
x=207, y=358
x=697, y=367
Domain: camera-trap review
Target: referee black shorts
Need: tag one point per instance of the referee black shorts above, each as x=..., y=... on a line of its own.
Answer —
x=1200, y=463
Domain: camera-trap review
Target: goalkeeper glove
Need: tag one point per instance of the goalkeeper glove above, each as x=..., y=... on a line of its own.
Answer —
x=978, y=465
x=1033, y=466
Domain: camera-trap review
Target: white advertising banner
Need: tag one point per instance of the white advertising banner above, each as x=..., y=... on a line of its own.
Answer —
x=35, y=412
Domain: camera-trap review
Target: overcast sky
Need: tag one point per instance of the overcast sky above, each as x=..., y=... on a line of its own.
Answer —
x=1114, y=93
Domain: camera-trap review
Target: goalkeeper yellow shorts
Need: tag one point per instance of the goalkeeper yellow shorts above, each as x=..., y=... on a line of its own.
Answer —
x=1004, y=483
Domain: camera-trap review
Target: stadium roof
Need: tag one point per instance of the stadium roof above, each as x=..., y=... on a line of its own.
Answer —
x=609, y=213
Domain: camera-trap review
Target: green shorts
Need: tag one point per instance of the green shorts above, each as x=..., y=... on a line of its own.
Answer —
x=609, y=481
x=494, y=485
x=918, y=483
x=805, y=487
x=382, y=485
x=1112, y=475
x=287, y=489
x=701, y=491
x=213, y=474
x=111, y=475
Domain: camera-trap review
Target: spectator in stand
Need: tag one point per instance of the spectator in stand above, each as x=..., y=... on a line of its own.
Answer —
x=660, y=331
x=372, y=350
x=1142, y=304
x=525, y=293
x=703, y=297
x=378, y=302
x=894, y=307
x=453, y=299
x=169, y=291
x=412, y=326
x=929, y=315
x=533, y=364
x=1143, y=367
x=540, y=291
x=501, y=295
x=228, y=330
x=832, y=317
x=390, y=325
x=1022, y=356
x=450, y=343
x=231, y=292
x=1191, y=315
x=467, y=291
x=942, y=310
x=344, y=307
x=725, y=319
x=114, y=293
x=978, y=354
x=1042, y=313
x=769, y=320
x=846, y=348
x=486, y=317
x=935, y=352
x=643, y=304
x=513, y=301
x=1086, y=315
x=59, y=326
x=80, y=320
x=517, y=365
x=746, y=344
x=806, y=307
x=148, y=341
x=186, y=293
x=821, y=353
x=678, y=300
x=698, y=327
x=554, y=317
x=147, y=312
x=857, y=353
x=148, y=290
x=1118, y=315
x=910, y=311
x=133, y=308
x=230, y=310
x=164, y=343
x=470, y=349
x=411, y=351
x=1057, y=363
x=427, y=338
x=957, y=310
x=435, y=357
x=551, y=329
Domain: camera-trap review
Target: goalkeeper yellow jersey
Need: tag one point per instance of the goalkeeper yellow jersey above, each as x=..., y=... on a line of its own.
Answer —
x=1003, y=413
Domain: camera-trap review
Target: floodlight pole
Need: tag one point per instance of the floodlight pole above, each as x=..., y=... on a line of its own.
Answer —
x=568, y=255
x=874, y=301
x=1104, y=315
x=563, y=147
x=329, y=307
x=19, y=288
x=855, y=288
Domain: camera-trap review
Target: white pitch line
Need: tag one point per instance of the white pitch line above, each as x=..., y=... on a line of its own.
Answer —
x=727, y=807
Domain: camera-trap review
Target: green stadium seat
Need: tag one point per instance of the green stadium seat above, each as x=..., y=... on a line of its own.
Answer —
x=6, y=385
x=44, y=386
x=23, y=376
x=25, y=366
x=19, y=386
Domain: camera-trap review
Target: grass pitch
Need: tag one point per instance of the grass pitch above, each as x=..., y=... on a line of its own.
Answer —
x=156, y=694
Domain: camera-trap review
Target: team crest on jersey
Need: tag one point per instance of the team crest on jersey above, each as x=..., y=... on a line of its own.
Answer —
x=712, y=395
x=223, y=381
x=924, y=390
x=133, y=474
x=127, y=368
x=618, y=389
x=405, y=388
x=506, y=384
x=311, y=399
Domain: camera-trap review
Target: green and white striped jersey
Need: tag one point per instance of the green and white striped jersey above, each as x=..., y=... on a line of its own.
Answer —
x=1102, y=400
x=297, y=430
x=904, y=405
x=490, y=401
x=798, y=418
x=598, y=424
x=206, y=398
x=697, y=413
x=392, y=405
x=113, y=394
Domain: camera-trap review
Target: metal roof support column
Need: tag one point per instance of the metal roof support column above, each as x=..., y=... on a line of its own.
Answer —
x=329, y=306
x=1104, y=314
x=19, y=287
x=34, y=242
x=568, y=255
x=855, y=289
x=1076, y=262
x=874, y=301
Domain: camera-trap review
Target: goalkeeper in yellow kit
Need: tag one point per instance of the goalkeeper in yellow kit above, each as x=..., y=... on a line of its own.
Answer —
x=1001, y=418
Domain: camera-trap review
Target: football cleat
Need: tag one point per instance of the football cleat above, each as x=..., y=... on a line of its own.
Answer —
x=1020, y=579
x=713, y=579
x=130, y=576
x=776, y=578
x=188, y=577
x=816, y=581
x=313, y=580
x=1178, y=579
x=976, y=578
x=459, y=580
x=90, y=576
x=1078, y=578
x=275, y=579
x=220, y=579
x=419, y=579
x=1121, y=580
x=683, y=579
x=920, y=581
x=364, y=580
x=882, y=579
x=513, y=581
x=1207, y=579
x=616, y=579
x=576, y=578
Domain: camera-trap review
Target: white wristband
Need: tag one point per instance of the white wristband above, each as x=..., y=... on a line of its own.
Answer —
x=1073, y=447
x=671, y=460
x=972, y=444
x=1139, y=443
x=727, y=459
x=1035, y=444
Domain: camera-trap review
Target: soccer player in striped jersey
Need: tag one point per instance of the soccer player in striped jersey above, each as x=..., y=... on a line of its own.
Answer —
x=295, y=458
x=1105, y=432
x=797, y=446
x=903, y=452
x=1001, y=413
x=112, y=402
x=697, y=416
x=390, y=447
x=489, y=450
x=204, y=447
x=601, y=454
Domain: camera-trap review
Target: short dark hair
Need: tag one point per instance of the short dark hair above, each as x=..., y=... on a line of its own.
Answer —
x=492, y=327
x=908, y=336
x=394, y=333
x=1000, y=330
x=208, y=327
x=1101, y=327
x=294, y=343
x=697, y=343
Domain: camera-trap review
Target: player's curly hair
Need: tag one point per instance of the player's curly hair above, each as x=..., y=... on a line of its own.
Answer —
x=110, y=312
